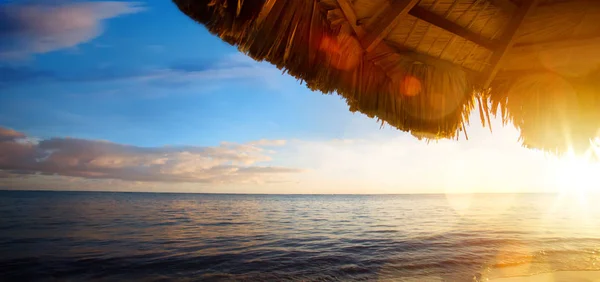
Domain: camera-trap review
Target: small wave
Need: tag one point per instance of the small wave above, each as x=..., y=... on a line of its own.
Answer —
x=382, y=231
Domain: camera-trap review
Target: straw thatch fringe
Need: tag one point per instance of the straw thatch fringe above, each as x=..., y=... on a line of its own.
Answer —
x=553, y=112
x=432, y=98
x=312, y=42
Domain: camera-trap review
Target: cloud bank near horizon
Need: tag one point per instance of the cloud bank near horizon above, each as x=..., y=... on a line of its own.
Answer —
x=228, y=163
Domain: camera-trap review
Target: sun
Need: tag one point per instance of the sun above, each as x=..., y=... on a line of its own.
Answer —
x=579, y=175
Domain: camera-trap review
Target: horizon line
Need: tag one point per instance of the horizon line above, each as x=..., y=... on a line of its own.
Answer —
x=282, y=194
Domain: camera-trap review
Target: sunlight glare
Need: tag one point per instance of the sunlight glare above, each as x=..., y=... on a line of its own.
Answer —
x=578, y=175
x=515, y=259
x=577, y=183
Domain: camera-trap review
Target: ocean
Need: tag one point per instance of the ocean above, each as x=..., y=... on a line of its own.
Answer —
x=75, y=236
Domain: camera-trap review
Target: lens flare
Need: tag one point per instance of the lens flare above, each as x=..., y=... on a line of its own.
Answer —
x=516, y=259
x=342, y=52
x=411, y=86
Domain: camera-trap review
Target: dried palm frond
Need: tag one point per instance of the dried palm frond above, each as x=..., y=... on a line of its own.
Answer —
x=311, y=41
x=422, y=81
x=553, y=113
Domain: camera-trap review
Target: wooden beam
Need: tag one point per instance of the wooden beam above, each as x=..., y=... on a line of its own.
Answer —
x=557, y=45
x=506, y=5
x=507, y=40
x=370, y=22
x=510, y=74
x=562, y=44
x=453, y=27
x=435, y=61
x=383, y=50
x=350, y=15
x=389, y=20
x=568, y=2
x=380, y=50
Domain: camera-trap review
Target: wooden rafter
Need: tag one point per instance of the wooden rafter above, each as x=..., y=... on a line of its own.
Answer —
x=350, y=15
x=573, y=42
x=507, y=40
x=507, y=5
x=381, y=50
x=389, y=20
x=452, y=27
x=557, y=45
x=434, y=61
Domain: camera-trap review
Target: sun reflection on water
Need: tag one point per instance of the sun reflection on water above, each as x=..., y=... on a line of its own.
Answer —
x=578, y=186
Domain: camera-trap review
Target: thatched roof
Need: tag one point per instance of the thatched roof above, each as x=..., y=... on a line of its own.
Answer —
x=421, y=65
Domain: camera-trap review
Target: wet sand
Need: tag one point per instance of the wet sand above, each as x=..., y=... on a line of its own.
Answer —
x=562, y=276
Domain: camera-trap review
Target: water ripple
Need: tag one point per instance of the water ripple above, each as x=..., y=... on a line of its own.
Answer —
x=165, y=237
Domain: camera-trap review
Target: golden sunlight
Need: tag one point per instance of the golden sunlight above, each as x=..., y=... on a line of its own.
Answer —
x=578, y=175
x=578, y=186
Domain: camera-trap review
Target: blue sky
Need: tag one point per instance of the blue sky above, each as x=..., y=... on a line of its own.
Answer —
x=135, y=96
x=87, y=89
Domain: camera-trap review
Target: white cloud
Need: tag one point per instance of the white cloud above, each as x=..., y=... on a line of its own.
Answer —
x=40, y=27
x=268, y=143
x=373, y=164
x=226, y=163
